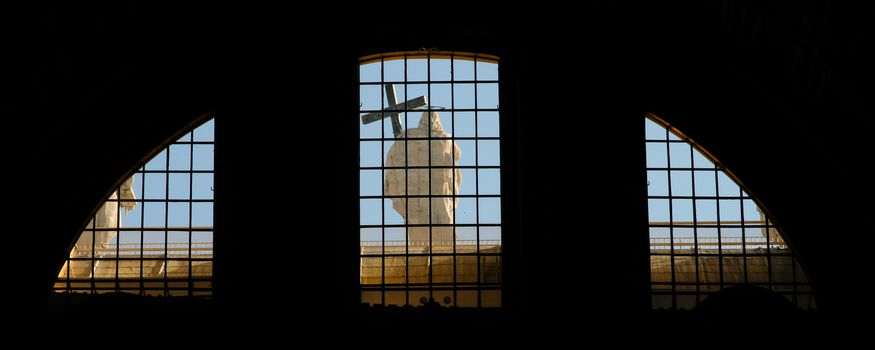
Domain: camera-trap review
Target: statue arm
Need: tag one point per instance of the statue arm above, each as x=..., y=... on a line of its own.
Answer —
x=126, y=191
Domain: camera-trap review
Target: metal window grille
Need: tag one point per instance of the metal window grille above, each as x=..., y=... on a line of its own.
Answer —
x=396, y=91
x=163, y=245
x=706, y=232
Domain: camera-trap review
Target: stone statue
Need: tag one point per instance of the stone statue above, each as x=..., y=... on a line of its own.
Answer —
x=433, y=170
x=105, y=224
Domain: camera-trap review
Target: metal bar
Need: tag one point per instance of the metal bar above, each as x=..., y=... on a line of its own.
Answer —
x=430, y=82
x=460, y=138
x=719, y=229
x=695, y=224
x=118, y=234
x=93, y=249
x=434, y=167
x=406, y=203
x=431, y=196
x=383, y=180
x=671, y=229
x=453, y=156
x=142, y=232
x=666, y=141
x=430, y=236
x=700, y=197
x=190, y=213
x=155, y=200
x=412, y=107
x=477, y=191
x=743, y=235
x=167, y=212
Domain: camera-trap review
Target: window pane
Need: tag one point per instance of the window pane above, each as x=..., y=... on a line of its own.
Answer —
x=488, y=153
x=392, y=211
x=706, y=211
x=179, y=186
x=487, y=71
x=393, y=70
x=180, y=157
x=371, y=182
x=487, y=96
x=371, y=72
x=440, y=69
x=463, y=69
x=727, y=186
x=730, y=210
x=466, y=211
x=657, y=155
x=153, y=214
x=202, y=214
x=468, y=186
x=417, y=69
x=705, y=183
x=441, y=96
x=177, y=214
x=369, y=153
x=203, y=157
x=464, y=124
x=487, y=124
x=682, y=210
x=681, y=183
x=489, y=181
x=202, y=186
x=463, y=96
x=371, y=98
x=680, y=155
x=657, y=183
x=653, y=131
x=205, y=132
x=490, y=211
x=468, y=150
x=658, y=210
x=371, y=211
x=156, y=186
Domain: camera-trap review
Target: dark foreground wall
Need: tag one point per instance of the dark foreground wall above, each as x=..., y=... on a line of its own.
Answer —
x=779, y=93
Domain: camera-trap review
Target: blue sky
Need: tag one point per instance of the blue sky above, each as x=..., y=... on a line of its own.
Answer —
x=372, y=152
x=684, y=183
x=156, y=187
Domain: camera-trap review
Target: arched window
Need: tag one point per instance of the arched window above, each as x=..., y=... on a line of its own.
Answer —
x=707, y=232
x=154, y=234
x=430, y=179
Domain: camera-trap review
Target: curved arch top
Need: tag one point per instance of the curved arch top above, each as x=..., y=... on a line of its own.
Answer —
x=397, y=55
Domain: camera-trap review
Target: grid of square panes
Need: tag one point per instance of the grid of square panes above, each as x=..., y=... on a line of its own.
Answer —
x=706, y=233
x=163, y=245
x=464, y=270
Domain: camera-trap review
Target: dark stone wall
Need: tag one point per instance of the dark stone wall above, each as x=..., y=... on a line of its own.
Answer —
x=779, y=92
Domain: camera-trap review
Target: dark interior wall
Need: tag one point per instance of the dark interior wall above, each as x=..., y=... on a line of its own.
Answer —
x=775, y=91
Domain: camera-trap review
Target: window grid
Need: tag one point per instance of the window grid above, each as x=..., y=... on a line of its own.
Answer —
x=172, y=265
x=720, y=245
x=445, y=289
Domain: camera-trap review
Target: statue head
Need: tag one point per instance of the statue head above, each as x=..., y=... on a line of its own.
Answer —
x=433, y=119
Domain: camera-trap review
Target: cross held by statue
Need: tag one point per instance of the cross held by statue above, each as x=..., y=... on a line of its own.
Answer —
x=394, y=109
